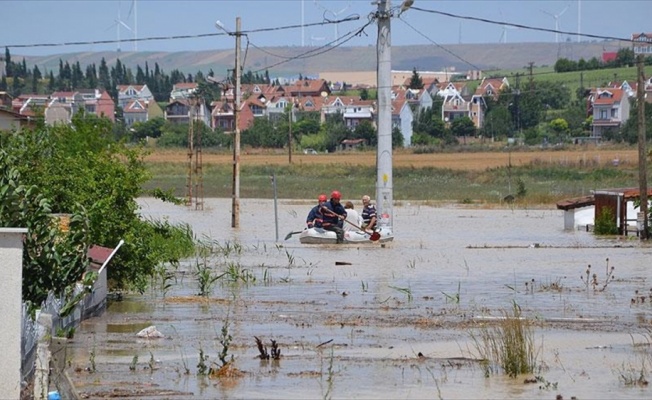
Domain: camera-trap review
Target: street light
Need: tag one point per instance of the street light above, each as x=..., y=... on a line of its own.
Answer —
x=235, y=205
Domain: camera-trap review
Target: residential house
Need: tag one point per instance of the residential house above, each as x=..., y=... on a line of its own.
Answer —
x=610, y=109
x=55, y=108
x=10, y=120
x=135, y=111
x=94, y=101
x=183, y=110
x=127, y=93
x=402, y=117
x=642, y=43
x=357, y=111
x=488, y=88
x=183, y=90
x=58, y=113
x=5, y=100
x=456, y=106
x=30, y=104
x=222, y=116
x=308, y=87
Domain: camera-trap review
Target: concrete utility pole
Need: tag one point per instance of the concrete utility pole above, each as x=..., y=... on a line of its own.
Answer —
x=384, y=182
x=642, y=153
x=235, y=206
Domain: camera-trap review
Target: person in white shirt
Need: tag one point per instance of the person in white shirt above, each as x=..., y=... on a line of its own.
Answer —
x=352, y=217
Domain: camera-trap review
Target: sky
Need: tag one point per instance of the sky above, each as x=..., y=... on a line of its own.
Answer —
x=35, y=22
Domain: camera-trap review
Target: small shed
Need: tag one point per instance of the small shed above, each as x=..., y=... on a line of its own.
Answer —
x=570, y=206
x=352, y=144
x=616, y=200
x=612, y=199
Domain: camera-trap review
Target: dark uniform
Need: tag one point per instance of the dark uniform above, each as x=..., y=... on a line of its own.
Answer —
x=334, y=214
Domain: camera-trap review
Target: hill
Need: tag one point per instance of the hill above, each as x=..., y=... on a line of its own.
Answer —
x=284, y=61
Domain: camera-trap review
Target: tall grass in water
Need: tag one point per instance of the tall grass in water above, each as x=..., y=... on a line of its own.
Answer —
x=508, y=346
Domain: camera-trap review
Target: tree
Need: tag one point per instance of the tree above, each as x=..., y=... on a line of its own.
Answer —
x=415, y=81
x=365, y=130
x=80, y=170
x=397, y=138
x=625, y=57
x=629, y=131
x=463, y=127
x=498, y=122
x=559, y=127
x=152, y=128
x=8, y=63
x=552, y=95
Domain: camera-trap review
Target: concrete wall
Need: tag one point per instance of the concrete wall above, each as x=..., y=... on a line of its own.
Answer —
x=11, y=303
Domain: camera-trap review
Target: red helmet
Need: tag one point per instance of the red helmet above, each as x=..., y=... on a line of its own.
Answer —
x=336, y=195
x=322, y=198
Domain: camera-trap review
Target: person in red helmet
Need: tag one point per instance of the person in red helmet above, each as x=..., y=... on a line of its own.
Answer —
x=315, y=216
x=334, y=213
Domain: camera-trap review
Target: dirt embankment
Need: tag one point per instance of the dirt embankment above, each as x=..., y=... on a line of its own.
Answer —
x=469, y=161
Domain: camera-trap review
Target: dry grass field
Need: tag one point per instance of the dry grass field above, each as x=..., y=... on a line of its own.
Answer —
x=464, y=161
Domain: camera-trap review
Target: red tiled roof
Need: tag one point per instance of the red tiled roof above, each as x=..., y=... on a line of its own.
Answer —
x=610, y=96
x=185, y=85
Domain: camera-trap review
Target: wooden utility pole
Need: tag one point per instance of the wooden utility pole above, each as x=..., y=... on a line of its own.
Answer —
x=235, y=207
x=642, y=153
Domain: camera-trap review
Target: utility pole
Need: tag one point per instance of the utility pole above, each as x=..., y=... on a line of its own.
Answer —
x=642, y=153
x=235, y=206
x=290, y=110
x=384, y=182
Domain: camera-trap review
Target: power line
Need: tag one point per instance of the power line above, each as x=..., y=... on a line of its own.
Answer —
x=322, y=49
x=502, y=23
x=440, y=46
x=175, y=37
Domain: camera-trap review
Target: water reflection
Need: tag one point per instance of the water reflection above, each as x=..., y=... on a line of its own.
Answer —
x=447, y=268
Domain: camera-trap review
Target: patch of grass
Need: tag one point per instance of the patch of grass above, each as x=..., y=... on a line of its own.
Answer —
x=631, y=375
x=206, y=277
x=444, y=176
x=508, y=346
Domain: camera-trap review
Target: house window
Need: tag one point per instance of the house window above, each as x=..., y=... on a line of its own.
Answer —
x=614, y=113
x=603, y=114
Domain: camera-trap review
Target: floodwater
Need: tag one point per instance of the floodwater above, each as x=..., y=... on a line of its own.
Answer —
x=366, y=321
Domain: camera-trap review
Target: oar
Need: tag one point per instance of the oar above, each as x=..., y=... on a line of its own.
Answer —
x=289, y=235
x=373, y=236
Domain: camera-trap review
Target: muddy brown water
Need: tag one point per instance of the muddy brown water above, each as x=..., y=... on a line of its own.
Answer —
x=395, y=323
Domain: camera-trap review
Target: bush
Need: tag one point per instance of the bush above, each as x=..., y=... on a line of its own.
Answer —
x=605, y=223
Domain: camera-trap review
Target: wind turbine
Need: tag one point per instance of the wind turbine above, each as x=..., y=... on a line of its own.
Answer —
x=335, y=14
x=134, y=10
x=118, y=23
x=556, y=18
x=503, y=35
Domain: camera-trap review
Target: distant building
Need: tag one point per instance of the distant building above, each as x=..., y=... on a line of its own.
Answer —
x=608, y=56
x=642, y=43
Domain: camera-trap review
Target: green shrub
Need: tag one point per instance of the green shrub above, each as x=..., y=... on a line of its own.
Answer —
x=605, y=223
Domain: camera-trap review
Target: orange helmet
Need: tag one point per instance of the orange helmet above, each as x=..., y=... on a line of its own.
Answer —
x=336, y=195
x=322, y=198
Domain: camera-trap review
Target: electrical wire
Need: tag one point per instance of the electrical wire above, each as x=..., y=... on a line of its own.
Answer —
x=502, y=23
x=322, y=49
x=440, y=46
x=175, y=37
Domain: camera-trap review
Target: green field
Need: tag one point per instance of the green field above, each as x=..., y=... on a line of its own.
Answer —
x=539, y=182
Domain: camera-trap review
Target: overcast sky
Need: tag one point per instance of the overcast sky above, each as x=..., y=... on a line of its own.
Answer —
x=34, y=22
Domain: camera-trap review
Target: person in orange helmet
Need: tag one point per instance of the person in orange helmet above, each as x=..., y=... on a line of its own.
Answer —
x=315, y=216
x=334, y=213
